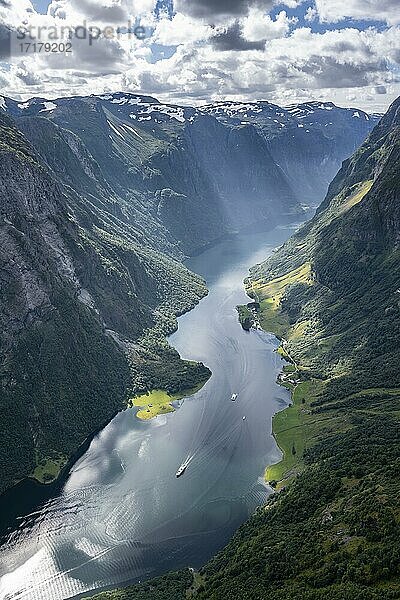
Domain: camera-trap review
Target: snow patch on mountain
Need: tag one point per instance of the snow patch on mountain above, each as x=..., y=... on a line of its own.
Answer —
x=48, y=106
x=148, y=112
x=124, y=100
x=115, y=129
x=173, y=112
x=131, y=130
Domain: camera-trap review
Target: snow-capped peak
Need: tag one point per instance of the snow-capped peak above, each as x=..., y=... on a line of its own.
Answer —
x=124, y=99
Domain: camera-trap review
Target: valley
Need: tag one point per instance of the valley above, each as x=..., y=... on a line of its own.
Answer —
x=199, y=300
x=331, y=527
x=120, y=216
x=104, y=197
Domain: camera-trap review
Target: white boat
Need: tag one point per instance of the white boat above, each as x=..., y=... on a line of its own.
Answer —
x=233, y=397
x=181, y=470
x=244, y=418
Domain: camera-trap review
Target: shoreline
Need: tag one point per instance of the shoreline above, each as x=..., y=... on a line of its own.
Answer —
x=51, y=487
x=162, y=403
x=286, y=423
x=289, y=424
x=27, y=494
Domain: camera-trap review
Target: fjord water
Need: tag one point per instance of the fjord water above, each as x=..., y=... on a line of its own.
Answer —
x=122, y=514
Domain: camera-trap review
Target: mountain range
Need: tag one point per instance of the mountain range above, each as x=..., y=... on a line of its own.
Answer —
x=102, y=199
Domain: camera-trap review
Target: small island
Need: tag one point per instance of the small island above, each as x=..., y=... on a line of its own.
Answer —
x=248, y=315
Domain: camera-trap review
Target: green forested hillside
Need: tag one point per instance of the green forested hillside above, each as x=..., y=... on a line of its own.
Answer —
x=85, y=306
x=170, y=587
x=332, y=528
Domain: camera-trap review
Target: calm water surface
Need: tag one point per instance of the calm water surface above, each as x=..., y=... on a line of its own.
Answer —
x=122, y=514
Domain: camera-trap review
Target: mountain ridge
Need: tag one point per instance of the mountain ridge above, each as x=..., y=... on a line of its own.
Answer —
x=147, y=111
x=84, y=311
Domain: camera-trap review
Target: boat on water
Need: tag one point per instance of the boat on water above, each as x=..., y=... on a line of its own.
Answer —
x=233, y=397
x=244, y=418
x=181, y=470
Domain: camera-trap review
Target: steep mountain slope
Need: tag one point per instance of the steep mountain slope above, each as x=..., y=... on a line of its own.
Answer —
x=308, y=141
x=351, y=246
x=191, y=175
x=195, y=175
x=84, y=308
x=333, y=292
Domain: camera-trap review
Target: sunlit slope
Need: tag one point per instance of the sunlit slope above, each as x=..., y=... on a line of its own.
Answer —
x=308, y=141
x=332, y=292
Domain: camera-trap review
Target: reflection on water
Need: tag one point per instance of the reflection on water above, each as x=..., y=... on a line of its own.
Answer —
x=123, y=515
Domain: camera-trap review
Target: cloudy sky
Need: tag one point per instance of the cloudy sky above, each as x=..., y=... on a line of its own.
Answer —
x=198, y=51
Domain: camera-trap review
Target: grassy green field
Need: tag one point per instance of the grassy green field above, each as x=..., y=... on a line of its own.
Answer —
x=272, y=319
x=269, y=295
x=297, y=429
x=48, y=469
x=159, y=402
x=156, y=402
x=292, y=429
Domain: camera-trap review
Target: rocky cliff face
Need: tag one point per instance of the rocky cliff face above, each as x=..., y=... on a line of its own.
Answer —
x=177, y=170
x=195, y=174
x=78, y=291
x=308, y=141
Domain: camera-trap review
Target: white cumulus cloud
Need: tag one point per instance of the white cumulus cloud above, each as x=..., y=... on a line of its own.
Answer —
x=260, y=26
x=333, y=11
x=247, y=55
